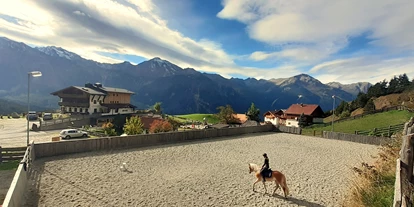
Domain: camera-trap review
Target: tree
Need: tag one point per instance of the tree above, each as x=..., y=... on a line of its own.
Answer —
x=253, y=113
x=302, y=120
x=108, y=128
x=379, y=89
x=370, y=106
x=157, y=107
x=226, y=114
x=133, y=126
x=160, y=126
x=361, y=100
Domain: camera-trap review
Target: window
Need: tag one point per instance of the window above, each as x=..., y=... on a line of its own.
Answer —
x=86, y=110
x=70, y=109
x=116, y=110
x=94, y=101
x=76, y=110
x=95, y=110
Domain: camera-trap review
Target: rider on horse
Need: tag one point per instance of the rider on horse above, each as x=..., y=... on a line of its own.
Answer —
x=265, y=168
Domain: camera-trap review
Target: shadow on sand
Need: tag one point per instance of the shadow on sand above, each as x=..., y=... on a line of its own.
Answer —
x=299, y=202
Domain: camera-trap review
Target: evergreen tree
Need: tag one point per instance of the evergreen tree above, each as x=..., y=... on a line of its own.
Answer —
x=253, y=113
x=370, y=106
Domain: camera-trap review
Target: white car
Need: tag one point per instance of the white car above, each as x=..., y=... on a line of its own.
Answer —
x=72, y=133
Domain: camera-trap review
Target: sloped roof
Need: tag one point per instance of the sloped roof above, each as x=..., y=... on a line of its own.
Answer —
x=250, y=123
x=306, y=109
x=89, y=90
x=242, y=117
x=84, y=89
x=116, y=90
x=274, y=113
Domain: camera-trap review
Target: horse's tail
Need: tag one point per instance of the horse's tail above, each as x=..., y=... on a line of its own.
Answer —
x=285, y=187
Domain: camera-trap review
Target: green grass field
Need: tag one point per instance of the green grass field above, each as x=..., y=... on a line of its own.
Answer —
x=365, y=123
x=12, y=165
x=211, y=119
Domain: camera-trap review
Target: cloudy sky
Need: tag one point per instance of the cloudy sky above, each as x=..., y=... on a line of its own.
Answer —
x=342, y=40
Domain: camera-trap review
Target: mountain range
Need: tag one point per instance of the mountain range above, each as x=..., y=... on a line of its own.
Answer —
x=181, y=90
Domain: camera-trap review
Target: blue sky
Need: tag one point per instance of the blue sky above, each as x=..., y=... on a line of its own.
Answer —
x=345, y=41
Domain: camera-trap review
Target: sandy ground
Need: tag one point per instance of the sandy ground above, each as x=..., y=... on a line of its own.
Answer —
x=13, y=133
x=215, y=173
x=6, y=177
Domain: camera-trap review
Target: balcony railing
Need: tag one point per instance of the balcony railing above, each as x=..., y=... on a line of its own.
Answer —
x=73, y=104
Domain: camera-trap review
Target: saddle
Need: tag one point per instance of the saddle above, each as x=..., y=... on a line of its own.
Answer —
x=267, y=173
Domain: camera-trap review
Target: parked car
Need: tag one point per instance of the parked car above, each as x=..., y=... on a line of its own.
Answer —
x=47, y=116
x=32, y=116
x=72, y=133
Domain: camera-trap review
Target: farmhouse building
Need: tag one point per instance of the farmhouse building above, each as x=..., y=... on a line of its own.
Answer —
x=95, y=99
x=311, y=113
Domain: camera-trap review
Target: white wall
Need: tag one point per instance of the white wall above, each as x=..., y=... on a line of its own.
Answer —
x=317, y=120
x=292, y=122
x=120, y=111
x=273, y=121
x=96, y=106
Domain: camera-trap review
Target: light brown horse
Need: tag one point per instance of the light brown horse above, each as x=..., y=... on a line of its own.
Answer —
x=278, y=177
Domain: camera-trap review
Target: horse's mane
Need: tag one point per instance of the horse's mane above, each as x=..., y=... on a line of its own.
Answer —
x=254, y=167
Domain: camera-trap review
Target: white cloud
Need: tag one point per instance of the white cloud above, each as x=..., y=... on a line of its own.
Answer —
x=371, y=69
x=306, y=33
x=87, y=26
x=322, y=27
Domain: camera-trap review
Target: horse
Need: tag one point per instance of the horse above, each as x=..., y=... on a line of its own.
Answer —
x=278, y=177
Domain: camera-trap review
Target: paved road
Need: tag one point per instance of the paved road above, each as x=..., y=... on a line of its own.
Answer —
x=13, y=133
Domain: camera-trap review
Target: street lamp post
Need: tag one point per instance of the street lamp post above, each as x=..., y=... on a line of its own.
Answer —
x=333, y=112
x=30, y=74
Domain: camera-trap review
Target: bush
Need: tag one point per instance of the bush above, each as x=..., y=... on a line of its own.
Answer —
x=133, y=126
x=160, y=126
x=109, y=129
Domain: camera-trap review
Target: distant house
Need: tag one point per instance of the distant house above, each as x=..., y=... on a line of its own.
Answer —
x=240, y=118
x=95, y=99
x=312, y=114
x=275, y=117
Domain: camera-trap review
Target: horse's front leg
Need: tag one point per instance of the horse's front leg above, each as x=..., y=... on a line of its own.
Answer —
x=255, y=184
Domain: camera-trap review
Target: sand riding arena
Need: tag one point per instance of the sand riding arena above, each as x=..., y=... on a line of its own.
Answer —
x=202, y=173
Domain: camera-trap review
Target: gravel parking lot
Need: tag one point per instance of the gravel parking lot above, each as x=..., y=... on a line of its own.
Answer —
x=13, y=133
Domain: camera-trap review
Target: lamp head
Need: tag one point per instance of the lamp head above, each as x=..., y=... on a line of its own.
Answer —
x=35, y=73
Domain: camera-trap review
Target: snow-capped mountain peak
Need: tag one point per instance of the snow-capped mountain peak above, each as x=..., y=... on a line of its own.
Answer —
x=58, y=52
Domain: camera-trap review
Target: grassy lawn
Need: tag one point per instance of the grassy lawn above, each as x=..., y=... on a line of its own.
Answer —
x=12, y=165
x=197, y=117
x=365, y=123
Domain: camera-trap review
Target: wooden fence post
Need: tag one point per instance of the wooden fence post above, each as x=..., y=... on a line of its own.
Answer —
x=406, y=154
x=314, y=132
x=1, y=155
x=397, y=188
x=389, y=131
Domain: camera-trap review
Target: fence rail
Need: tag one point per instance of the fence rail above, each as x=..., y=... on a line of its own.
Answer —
x=9, y=154
x=403, y=191
x=383, y=131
